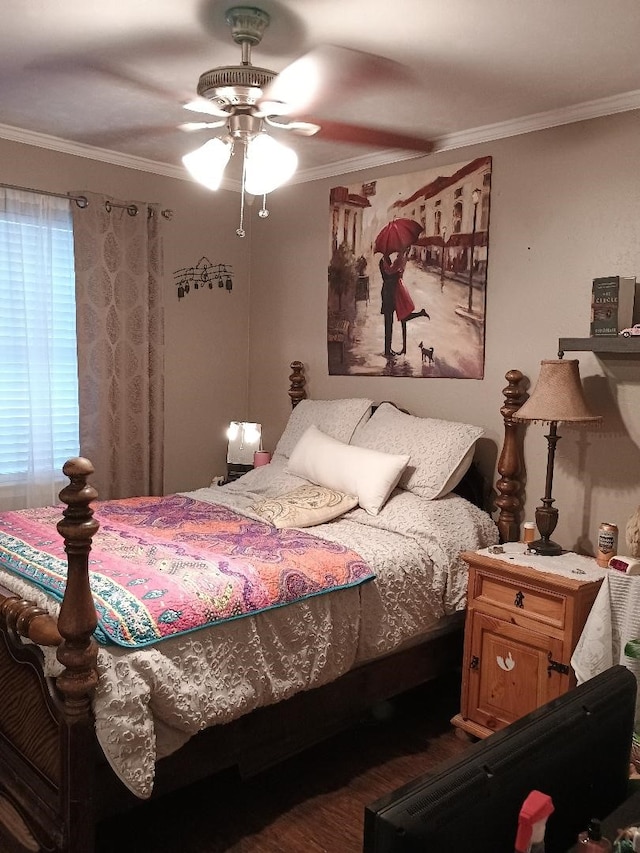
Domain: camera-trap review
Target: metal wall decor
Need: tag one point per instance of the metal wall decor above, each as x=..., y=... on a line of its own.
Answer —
x=203, y=274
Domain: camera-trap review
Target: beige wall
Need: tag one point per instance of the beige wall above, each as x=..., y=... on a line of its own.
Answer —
x=565, y=208
x=206, y=332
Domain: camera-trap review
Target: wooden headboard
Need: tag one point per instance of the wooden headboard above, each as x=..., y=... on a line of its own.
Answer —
x=472, y=486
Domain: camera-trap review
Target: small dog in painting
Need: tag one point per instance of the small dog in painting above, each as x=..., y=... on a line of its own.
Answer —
x=427, y=353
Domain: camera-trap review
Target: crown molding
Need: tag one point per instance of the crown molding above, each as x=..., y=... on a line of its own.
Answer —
x=78, y=149
x=624, y=102
x=355, y=164
x=598, y=108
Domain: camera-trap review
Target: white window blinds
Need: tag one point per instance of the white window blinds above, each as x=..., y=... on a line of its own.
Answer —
x=38, y=362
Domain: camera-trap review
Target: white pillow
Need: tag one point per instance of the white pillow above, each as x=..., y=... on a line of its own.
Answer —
x=368, y=474
x=441, y=451
x=336, y=418
x=305, y=506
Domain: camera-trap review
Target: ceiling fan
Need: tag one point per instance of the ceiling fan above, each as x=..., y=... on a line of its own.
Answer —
x=248, y=100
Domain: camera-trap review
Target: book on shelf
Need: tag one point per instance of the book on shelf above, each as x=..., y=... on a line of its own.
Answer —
x=614, y=298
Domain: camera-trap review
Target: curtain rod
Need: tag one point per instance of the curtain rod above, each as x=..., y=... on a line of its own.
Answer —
x=82, y=201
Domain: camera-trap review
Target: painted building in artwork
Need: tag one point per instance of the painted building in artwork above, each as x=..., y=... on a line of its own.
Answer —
x=346, y=218
x=454, y=212
x=347, y=269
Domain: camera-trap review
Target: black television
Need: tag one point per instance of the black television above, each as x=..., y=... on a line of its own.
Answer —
x=576, y=749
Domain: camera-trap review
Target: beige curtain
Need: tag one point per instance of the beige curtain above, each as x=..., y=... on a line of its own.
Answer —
x=120, y=329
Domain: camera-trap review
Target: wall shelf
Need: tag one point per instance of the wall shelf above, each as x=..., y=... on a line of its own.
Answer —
x=626, y=346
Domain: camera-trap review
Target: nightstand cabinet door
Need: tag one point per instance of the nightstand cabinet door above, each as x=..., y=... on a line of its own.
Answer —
x=509, y=671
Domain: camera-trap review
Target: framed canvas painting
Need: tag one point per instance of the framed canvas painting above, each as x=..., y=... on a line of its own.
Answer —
x=407, y=274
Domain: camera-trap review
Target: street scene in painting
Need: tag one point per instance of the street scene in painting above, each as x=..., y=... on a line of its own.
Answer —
x=407, y=274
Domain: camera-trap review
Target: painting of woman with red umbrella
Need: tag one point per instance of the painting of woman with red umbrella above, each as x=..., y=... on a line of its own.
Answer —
x=393, y=242
x=422, y=238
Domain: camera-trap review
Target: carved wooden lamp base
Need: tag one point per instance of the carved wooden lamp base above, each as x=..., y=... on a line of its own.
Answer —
x=546, y=520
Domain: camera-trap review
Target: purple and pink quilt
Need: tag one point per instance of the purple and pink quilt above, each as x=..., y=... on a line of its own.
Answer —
x=162, y=566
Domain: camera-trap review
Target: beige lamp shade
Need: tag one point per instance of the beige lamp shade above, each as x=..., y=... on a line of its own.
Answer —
x=557, y=396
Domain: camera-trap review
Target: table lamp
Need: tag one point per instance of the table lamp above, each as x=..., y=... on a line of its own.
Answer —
x=557, y=398
x=244, y=439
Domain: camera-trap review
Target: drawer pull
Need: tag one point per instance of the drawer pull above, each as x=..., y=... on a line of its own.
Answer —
x=556, y=666
x=474, y=663
x=519, y=599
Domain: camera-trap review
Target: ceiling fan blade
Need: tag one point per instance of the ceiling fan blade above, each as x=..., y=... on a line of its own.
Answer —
x=337, y=131
x=202, y=105
x=122, y=75
x=304, y=128
x=326, y=73
x=201, y=125
x=113, y=136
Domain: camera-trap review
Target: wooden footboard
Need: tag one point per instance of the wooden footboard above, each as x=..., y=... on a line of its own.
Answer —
x=46, y=726
x=51, y=767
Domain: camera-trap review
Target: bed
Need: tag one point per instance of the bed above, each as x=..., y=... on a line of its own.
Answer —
x=371, y=605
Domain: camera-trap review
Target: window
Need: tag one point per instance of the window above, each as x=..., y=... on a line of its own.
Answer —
x=38, y=361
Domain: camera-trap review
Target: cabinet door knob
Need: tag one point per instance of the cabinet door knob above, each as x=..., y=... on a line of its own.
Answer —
x=518, y=601
x=474, y=663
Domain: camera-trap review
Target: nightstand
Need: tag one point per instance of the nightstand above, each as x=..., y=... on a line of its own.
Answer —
x=235, y=471
x=522, y=625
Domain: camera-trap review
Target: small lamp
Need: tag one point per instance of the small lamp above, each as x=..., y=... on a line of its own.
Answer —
x=243, y=440
x=557, y=398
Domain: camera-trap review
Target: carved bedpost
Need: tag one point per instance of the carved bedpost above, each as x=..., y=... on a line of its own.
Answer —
x=298, y=381
x=78, y=619
x=509, y=485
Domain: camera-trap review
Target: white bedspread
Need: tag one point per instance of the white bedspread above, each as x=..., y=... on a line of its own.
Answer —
x=150, y=701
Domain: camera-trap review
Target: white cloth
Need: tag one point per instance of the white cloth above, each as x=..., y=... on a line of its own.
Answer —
x=613, y=621
x=569, y=565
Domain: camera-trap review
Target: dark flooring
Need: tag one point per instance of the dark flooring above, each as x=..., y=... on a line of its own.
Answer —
x=313, y=803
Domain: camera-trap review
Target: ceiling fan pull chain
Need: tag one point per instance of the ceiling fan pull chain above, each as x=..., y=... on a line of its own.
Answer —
x=240, y=231
x=263, y=212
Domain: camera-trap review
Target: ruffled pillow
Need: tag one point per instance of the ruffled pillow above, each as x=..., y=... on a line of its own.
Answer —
x=441, y=451
x=336, y=418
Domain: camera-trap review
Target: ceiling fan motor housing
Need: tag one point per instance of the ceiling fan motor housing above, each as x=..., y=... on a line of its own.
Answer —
x=235, y=85
x=239, y=85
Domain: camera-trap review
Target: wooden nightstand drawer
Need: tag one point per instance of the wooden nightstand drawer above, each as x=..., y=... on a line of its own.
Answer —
x=520, y=599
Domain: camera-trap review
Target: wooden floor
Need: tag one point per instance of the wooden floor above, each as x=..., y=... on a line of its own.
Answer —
x=313, y=803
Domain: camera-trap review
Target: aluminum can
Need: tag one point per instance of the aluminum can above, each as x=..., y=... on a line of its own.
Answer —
x=607, y=543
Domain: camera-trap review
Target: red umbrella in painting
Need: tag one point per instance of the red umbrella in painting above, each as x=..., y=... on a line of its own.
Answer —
x=397, y=235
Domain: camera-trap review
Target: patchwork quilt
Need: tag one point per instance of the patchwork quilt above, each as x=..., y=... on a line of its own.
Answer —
x=163, y=566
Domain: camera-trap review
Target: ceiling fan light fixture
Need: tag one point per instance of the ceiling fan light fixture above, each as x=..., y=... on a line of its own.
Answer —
x=268, y=165
x=207, y=163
